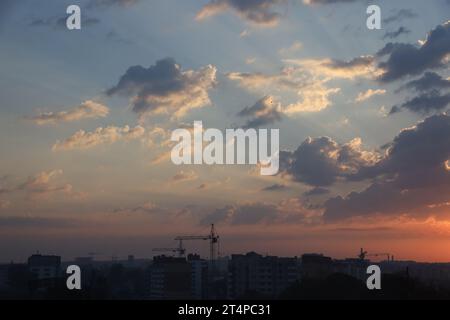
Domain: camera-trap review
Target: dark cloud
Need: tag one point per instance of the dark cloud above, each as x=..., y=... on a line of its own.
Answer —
x=41, y=185
x=397, y=33
x=429, y=81
x=259, y=12
x=166, y=88
x=362, y=61
x=400, y=15
x=321, y=161
x=425, y=103
x=218, y=215
x=412, y=177
x=407, y=59
x=288, y=211
x=316, y=192
x=264, y=111
x=146, y=208
x=254, y=213
x=275, y=187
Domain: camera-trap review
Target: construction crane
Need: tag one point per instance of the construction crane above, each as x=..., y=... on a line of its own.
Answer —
x=180, y=250
x=213, y=242
x=363, y=254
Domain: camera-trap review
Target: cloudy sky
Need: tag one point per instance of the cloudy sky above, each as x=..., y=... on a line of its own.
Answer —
x=86, y=118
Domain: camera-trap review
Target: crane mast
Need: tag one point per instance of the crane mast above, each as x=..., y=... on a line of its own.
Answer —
x=213, y=239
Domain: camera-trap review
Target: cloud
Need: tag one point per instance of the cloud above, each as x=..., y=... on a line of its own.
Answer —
x=363, y=66
x=257, y=12
x=363, y=96
x=184, y=176
x=430, y=80
x=264, y=111
x=425, y=103
x=44, y=184
x=107, y=135
x=219, y=215
x=397, y=33
x=401, y=15
x=316, y=192
x=157, y=137
x=406, y=59
x=39, y=186
x=252, y=213
x=430, y=99
x=87, y=110
x=410, y=178
x=287, y=79
x=313, y=95
x=314, y=98
x=160, y=158
x=320, y=162
x=165, y=88
x=146, y=208
x=276, y=187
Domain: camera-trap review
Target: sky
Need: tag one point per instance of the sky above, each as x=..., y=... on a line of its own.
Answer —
x=86, y=118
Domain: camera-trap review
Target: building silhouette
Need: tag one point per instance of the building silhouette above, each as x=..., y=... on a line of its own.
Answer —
x=265, y=275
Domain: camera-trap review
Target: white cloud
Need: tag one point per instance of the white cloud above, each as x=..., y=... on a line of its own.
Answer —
x=363, y=66
x=87, y=110
x=108, y=135
x=166, y=89
x=363, y=96
x=312, y=93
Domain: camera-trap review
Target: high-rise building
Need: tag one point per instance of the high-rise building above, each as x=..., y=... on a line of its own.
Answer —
x=316, y=266
x=265, y=275
x=199, y=277
x=170, y=279
x=44, y=267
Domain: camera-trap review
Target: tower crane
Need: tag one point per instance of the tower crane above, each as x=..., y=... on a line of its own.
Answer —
x=363, y=254
x=213, y=242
